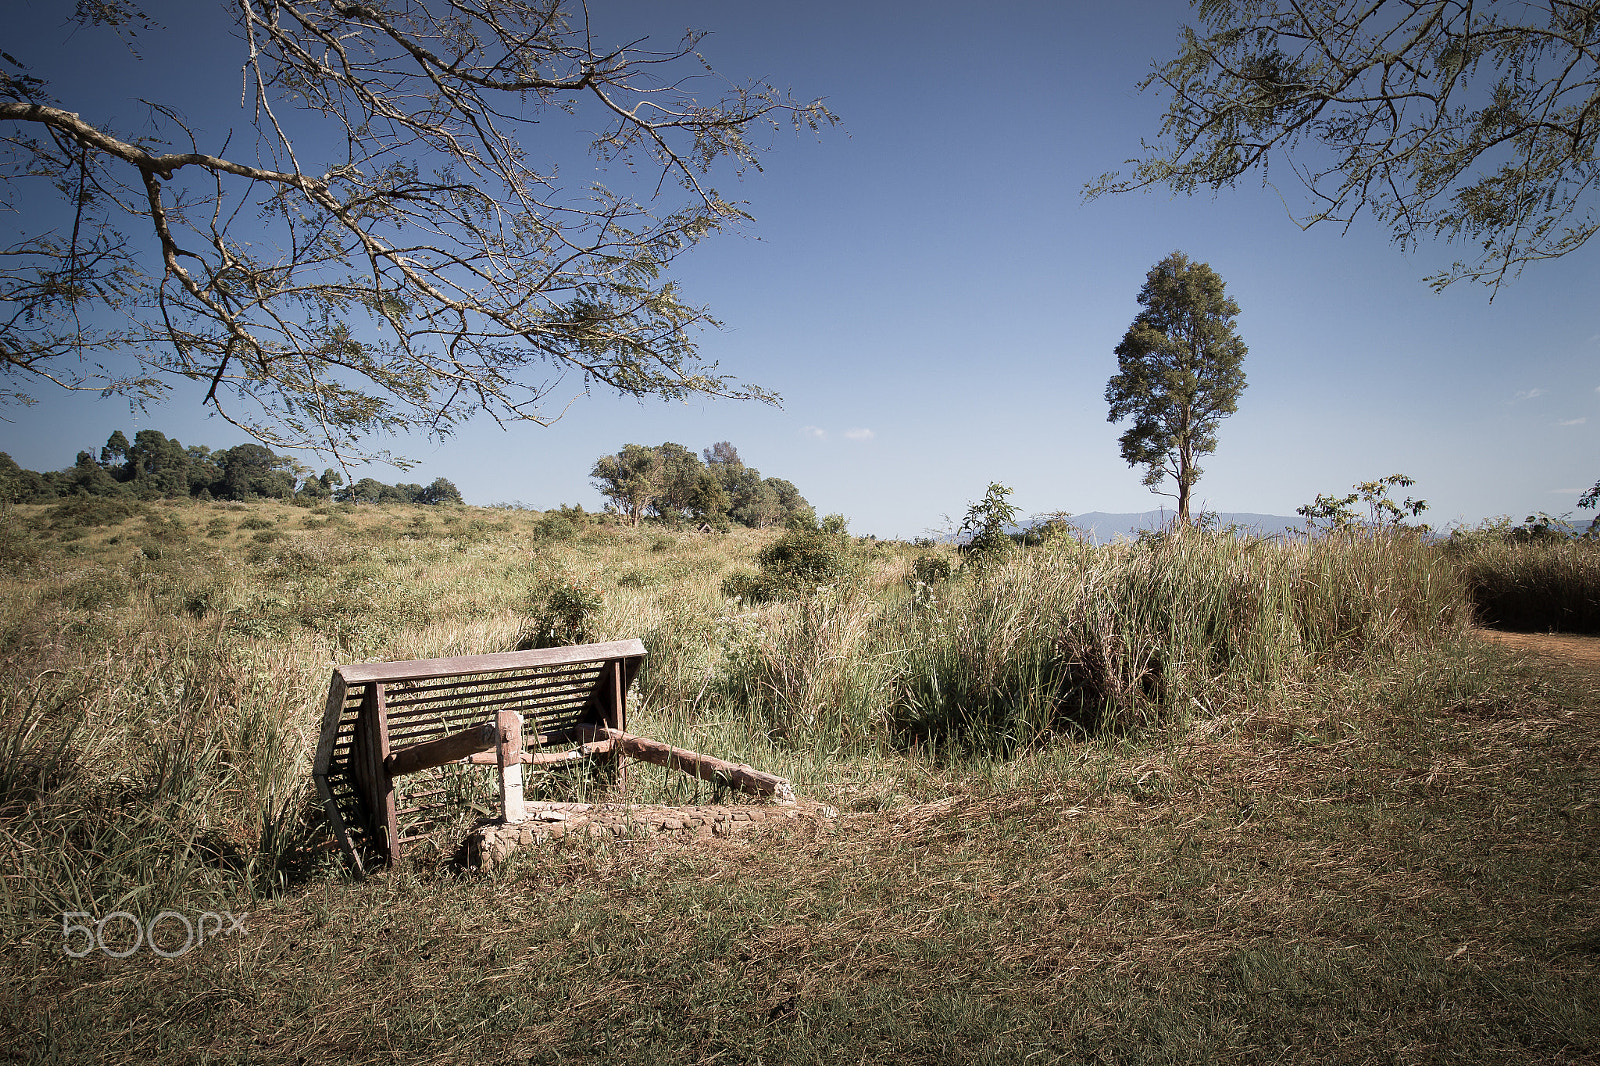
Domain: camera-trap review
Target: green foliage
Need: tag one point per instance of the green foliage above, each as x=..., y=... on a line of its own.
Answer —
x=1329, y=513
x=930, y=570
x=796, y=565
x=19, y=548
x=987, y=526
x=1472, y=122
x=669, y=484
x=563, y=613
x=92, y=511
x=1180, y=371
x=554, y=526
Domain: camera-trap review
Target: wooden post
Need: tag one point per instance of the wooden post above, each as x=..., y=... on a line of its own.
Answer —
x=611, y=696
x=509, y=756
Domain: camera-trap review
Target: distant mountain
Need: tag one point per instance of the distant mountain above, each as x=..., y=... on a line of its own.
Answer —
x=1102, y=527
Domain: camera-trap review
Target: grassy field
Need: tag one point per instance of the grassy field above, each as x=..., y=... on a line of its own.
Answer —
x=1206, y=800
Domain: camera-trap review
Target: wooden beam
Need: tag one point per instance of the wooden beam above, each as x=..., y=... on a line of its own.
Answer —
x=452, y=748
x=494, y=662
x=544, y=758
x=705, y=767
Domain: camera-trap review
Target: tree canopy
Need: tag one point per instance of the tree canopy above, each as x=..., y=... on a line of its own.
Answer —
x=384, y=246
x=155, y=466
x=1471, y=121
x=1180, y=370
x=670, y=484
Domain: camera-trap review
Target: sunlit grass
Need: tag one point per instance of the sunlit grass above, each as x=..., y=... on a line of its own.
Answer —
x=1211, y=798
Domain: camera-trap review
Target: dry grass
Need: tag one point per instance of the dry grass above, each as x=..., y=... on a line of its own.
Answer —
x=1390, y=857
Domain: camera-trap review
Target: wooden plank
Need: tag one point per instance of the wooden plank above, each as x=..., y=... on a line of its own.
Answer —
x=332, y=712
x=391, y=822
x=494, y=700
x=544, y=758
x=365, y=770
x=495, y=662
x=705, y=767
x=579, y=676
x=451, y=748
x=341, y=832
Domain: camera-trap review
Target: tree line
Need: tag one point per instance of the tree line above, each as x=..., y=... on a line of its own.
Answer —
x=155, y=466
x=671, y=484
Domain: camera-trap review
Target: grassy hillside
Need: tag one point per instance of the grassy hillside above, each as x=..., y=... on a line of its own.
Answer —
x=1203, y=799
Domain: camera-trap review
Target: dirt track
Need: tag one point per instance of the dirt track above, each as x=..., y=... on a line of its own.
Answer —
x=1566, y=652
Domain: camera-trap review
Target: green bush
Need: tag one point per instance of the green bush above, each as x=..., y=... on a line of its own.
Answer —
x=796, y=565
x=18, y=547
x=96, y=590
x=87, y=511
x=563, y=612
x=554, y=526
x=256, y=522
x=931, y=569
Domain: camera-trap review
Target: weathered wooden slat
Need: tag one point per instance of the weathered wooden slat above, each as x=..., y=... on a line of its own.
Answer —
x=578, y=676
x=705, y=767
x=561, y=715
x=331, y=717
x=544, y=758
x=495, y=662
x=452, y=748
x=491, y=702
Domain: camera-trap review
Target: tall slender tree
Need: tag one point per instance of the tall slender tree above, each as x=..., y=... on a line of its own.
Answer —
x=1179, y=374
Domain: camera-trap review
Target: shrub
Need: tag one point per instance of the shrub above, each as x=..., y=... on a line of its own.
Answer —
x=796, y=565
x=986, y=527
x=82, y=511
x=554, y=526
x=18, y=547
x=96, y=590
x=563, y=613
x=931, y=569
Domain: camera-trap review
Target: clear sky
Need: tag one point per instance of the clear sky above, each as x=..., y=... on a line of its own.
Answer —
x=938, y=308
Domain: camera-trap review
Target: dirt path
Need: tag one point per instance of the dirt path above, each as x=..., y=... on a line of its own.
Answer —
x=1577, y=656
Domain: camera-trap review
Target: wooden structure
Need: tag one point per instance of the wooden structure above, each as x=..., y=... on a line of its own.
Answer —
x=399, y=739
x=385, y=721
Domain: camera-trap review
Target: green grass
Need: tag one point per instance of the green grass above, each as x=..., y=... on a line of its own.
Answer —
x=1216, y=801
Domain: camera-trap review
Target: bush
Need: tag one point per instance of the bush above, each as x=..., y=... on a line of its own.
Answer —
x=18, y=548
x=83, y=511
x=796, y=565
x=931, y=569
x=563, y=613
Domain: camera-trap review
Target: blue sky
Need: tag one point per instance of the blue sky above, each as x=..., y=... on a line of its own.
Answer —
x=925, y=288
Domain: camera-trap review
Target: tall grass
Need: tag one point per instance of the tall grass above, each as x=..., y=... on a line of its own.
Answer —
x=163, y=678
x=1540, y=584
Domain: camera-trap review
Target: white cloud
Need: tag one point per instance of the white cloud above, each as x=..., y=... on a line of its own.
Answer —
x=815, y=433
x=1572, y=422
x=859, y=434
x=1530, y=394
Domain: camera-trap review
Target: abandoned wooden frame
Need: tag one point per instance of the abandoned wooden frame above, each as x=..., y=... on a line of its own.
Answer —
x=507, y=710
